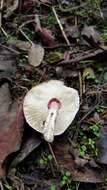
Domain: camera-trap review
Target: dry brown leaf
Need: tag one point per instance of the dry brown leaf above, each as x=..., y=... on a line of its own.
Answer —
x=47, y=36
x=31, y=143
x=35, y=55
x=7, y=63
x=11, y=126
x=91, y=35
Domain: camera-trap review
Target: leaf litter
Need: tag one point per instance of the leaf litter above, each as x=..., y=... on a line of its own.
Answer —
x=74, y=50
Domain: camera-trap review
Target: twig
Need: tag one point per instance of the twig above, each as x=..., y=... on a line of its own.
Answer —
x=25, y=35
x=89, y=112
x=1, y=7
x=10, y=49
x=37, y=22
x=27, y=22
x=50, y=148
x=4, y=32
x=82, y=57
x=80, y=84
x=1, y=186
x=61, y=27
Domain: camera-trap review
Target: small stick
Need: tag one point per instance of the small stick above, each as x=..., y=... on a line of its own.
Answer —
x=10, y=49
x=1, y=186
x=4, y=32
x=83, y=56
x=50, y=148
x=37, y=22
x=88, y=113
x=27, y=22
x=80, y=84
x=1, y=7
x=25, y=35
x=61, y=27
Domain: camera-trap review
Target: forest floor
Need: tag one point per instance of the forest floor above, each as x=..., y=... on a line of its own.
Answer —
x=53, y=39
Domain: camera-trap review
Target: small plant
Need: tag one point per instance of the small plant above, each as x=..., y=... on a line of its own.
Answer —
x=45, y=160
x=82, y=150
x=88, y=141
x=67, y=182
x=95, y=129
x=53, y=187
x=99, y=109
x=7, y=186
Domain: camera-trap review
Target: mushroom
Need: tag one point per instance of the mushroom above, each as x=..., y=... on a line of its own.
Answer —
x=50, y=107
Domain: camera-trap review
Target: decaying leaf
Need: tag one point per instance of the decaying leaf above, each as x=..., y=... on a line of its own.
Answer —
x=23, y=45
x=72, y=31
x=47, y=36
x=35, y=55
x=11, y=126
x=91, y=35
x=32, y=142
x=7, y=63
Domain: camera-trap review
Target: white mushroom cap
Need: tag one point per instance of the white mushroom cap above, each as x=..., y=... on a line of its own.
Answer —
x=36, y=109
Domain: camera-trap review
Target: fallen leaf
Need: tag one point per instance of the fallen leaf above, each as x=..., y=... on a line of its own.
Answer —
x=11, y=126
x=47, y=36
x=29, y=145
x=72, y=31
x=35, y=55
x=28, y=5
x=23, y=45
x=7, y=63
x=91, y=35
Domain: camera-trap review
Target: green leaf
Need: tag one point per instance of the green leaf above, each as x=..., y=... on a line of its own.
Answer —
x=50, y=157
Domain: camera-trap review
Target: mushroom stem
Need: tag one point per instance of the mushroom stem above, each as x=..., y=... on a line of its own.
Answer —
x=49, y=125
